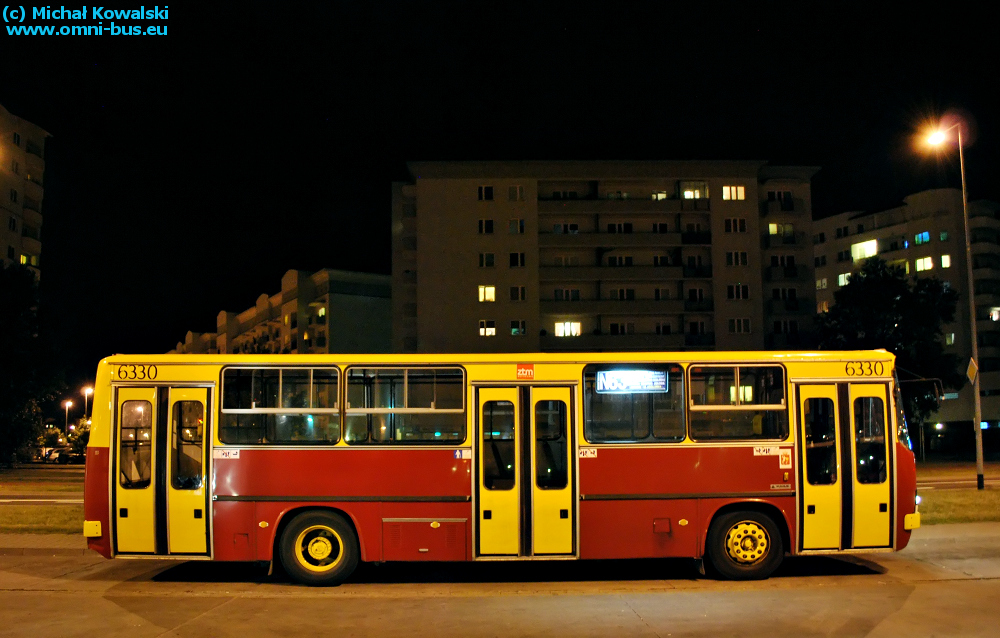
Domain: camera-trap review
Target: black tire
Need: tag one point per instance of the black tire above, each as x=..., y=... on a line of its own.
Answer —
x=319, y=548
x=744, y=546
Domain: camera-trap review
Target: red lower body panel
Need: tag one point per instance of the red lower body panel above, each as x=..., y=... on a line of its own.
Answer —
x=95, y=497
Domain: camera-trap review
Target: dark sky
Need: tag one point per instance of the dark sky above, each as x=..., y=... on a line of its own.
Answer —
x=187, y=173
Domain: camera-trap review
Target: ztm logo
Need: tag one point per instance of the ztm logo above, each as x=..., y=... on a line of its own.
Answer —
x=526, y=371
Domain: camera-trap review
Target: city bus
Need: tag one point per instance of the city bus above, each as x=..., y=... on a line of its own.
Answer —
x=318, y=462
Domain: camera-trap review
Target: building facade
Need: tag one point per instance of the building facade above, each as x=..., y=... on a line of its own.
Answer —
x=926, y=237
x=329, y=311
x=547, y=256
x=22, y=170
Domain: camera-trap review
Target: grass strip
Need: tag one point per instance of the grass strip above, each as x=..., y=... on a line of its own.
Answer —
x=41, y=519
x=966, y=505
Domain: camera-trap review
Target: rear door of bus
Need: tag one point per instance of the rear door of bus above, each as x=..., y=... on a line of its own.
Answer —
x=160, y=496
x=845, y=466
x=525, y=471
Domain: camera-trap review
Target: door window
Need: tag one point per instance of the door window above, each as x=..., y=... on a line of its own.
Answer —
x=188, y=425
x=498, y=445
x=550, y=445
x=136, y=454
x=869, y=439
x=821, y=441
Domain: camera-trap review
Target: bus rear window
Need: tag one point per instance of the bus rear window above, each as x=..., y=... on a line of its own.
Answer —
x=633, y=403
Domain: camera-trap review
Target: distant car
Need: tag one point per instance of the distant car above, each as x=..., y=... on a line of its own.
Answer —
x=70, y=456
x=52, y=456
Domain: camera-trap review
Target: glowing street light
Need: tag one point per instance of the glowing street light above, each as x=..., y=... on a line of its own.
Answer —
x=86, y=395
x=937, y=138
x=67, y=404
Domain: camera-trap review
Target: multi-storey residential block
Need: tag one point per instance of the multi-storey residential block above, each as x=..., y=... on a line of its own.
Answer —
x=22, y=168
x=529, y=256
x=926, y=237
x=322, y=312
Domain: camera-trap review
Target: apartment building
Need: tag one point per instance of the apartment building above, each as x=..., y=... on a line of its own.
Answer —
x=22, y=170
x=611, y=255
x=926, y=237
x=329, y=311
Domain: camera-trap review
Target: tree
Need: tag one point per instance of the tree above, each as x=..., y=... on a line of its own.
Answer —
x=880, y=307
x=26, y=377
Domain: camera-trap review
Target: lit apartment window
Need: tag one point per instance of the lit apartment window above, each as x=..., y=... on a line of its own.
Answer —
x=781, y=229
x=821, y=284
x=732, y=192
x=949, y=339
x=694, y=190
x=487, y=293
x=922, y=238
x=485, y=193
x=736, y=225
x=517, y=293
x=487, y=328
x=925, y=263
x=517, y=329
x=864, y=250
x=515, y=193
x=29, y=260
x=738, y=291
x=515, y=227
x=663, y=328
x=946, y=261
x=567, y=329
x=659, y=195
x=944, y=235
x=994, y=314
x=517, y=260
x=624, y=227
x=486, y=260
x=823, y=306
x=739, y=326
x=485, y=226
x=736, y=258
x=843, y=278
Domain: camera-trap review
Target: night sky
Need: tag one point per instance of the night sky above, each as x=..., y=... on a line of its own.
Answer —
x=187, y=173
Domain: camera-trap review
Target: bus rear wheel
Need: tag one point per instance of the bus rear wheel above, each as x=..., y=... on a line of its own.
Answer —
x=744, y=546
x=319, y=548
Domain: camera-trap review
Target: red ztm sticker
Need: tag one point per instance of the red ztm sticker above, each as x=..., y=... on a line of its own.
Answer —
x=526, y=371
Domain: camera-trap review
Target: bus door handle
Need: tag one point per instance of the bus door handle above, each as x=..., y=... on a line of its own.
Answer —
x=810, y=509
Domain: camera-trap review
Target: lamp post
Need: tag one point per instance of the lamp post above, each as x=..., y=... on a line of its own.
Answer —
x=937, y=138
x=86, y=395
x=67, y=405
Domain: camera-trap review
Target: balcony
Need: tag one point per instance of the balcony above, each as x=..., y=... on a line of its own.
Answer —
x=612, y=306
x=617, y=273
x=786, y=273
x=31, y=246
x=612, y=343
x=795, y=205
x=783, y=341
x=607, y=240
x=696, y=237
x=700, y=341
x=782, y=241
x=699, y=305
x=786, y=306
x=627, y=205
x=698, y=272
x=33, y=148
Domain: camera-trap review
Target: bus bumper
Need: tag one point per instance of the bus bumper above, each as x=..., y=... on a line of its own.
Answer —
x=911, y=521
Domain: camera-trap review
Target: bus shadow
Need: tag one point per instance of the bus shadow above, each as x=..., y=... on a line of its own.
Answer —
x=663, y=569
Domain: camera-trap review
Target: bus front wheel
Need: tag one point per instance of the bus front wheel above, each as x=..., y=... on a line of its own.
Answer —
x=744, y=545
x=319, y=548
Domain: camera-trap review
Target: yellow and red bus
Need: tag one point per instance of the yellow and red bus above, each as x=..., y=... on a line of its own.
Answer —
x=318, y=462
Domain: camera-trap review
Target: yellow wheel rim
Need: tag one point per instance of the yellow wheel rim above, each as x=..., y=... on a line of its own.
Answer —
x=319, y=548
x=747, y=542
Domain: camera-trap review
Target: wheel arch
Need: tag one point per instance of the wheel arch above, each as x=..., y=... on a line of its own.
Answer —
x=762, y=507
x=287, y=516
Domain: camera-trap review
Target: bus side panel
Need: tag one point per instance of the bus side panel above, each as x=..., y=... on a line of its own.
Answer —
x=427, y=531
x=639, y=529
x=95, y=498
x=365, y=516
x=234, y=530
x=906, y=491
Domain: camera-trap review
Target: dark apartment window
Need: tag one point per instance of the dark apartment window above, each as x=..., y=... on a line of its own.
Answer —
x=622, y=328
x=624, y=227
x=619, y=261
x=11, y=253
x=696, y=327
x=486, y=193
x=624, y=294
x=661, y=294
x=15, y=167
x=485, y=260
x=13, y=195
x=517, y=329
x=663, y=328
x=696, y=294
x=517, y=260
x=517, y=293
x=515, y=227
x=661, y=260
x=660, y=227
x=515, y=193
x=17, y=139
x=790, y=326
x=861, y=228
x=736, y=225
x=739, y=326
x=12, y=224
x=736, y=258
x=782, y=260
x=485, y=226
x=738, y=291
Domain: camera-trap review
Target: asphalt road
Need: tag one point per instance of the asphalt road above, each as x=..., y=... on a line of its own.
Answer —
x=946, y=583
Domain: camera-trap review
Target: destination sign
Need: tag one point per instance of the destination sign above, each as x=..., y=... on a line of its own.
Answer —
x=631, y=381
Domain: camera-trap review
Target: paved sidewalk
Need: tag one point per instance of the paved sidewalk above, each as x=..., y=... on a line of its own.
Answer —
x=42, y=544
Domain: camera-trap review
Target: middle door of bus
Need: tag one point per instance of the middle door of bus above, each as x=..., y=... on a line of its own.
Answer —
x=525, y=471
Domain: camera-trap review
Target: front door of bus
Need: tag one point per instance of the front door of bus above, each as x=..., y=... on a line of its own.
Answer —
x=525, y=471
x=160, y=503
x=844, y=466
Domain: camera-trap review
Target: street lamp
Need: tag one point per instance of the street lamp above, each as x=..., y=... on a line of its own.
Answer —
x=937, y=138
x=86, y=395
x=67, y=405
